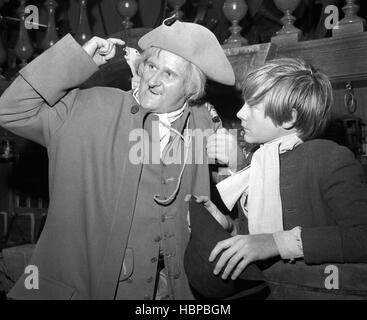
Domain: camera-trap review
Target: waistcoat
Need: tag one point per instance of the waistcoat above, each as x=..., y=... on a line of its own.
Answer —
x=157, y=227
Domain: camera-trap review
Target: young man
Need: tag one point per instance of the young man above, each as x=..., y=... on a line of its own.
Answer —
x=303, y=198
x=118, y=163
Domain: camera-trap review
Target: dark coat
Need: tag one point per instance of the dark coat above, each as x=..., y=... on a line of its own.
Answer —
x=322, y=191
x=93, y=185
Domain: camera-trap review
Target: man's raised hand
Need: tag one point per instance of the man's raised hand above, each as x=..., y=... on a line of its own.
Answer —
x=102, y=50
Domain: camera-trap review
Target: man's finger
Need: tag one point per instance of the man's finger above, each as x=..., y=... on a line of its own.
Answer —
x=223, y=260
x=240, y=267
x=111, y=53
x=221, y=245
x=104, y=47
x=232, y=263
x=117, y=41
x=108, y=47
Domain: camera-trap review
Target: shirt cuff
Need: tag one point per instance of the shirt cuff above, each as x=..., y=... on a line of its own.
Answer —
x=289, y=243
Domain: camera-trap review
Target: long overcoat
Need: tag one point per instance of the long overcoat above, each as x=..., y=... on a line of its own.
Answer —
x=93, y=183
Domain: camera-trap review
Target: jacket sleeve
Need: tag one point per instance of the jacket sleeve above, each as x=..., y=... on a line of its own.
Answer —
x=345, y=196
x=39, y=100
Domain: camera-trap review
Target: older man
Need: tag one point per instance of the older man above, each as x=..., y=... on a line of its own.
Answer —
x=120, y=164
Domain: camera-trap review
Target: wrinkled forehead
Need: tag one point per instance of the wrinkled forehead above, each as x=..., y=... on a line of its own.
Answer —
x=166, y=59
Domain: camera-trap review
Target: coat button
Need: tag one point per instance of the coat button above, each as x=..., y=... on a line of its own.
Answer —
x=153, y=260
x=150, y=279
x=134, y=109
x=176, y=276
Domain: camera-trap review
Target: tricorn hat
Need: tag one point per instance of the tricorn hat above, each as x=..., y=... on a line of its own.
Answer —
x=206, y=232
x=194, y=43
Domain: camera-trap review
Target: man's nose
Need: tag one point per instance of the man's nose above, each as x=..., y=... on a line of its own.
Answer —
x=155, y=79
x=242, y=113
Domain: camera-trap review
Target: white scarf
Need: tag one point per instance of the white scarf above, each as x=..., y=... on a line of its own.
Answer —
x=259, y=185
x=165, y=121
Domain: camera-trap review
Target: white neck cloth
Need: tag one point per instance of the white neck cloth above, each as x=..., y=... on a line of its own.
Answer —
x=259, y=185
x=165, y=121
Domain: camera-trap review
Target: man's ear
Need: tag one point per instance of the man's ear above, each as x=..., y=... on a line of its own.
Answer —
x=290, y=124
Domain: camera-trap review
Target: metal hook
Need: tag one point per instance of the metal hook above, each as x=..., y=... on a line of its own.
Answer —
x=349, y=99
x=349, y=86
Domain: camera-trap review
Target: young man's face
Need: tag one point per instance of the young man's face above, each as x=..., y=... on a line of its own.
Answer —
x=162, y=83
x=257, y=127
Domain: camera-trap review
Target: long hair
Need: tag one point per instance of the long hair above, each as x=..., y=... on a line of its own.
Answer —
x=286, y=84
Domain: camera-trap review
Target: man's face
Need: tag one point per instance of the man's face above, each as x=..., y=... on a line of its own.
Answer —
x=162, y=82
x=258, y=127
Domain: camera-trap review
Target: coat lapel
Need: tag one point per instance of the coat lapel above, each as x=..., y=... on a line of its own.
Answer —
x=123, y=209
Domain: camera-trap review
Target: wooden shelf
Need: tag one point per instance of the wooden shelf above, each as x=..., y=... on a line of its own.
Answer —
x=342, y=58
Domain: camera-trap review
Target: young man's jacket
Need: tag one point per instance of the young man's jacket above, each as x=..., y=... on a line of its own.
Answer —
x=97, y=184
x=323, y=191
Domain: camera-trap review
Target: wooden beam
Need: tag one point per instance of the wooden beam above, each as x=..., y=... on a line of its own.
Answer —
x=342, y=58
